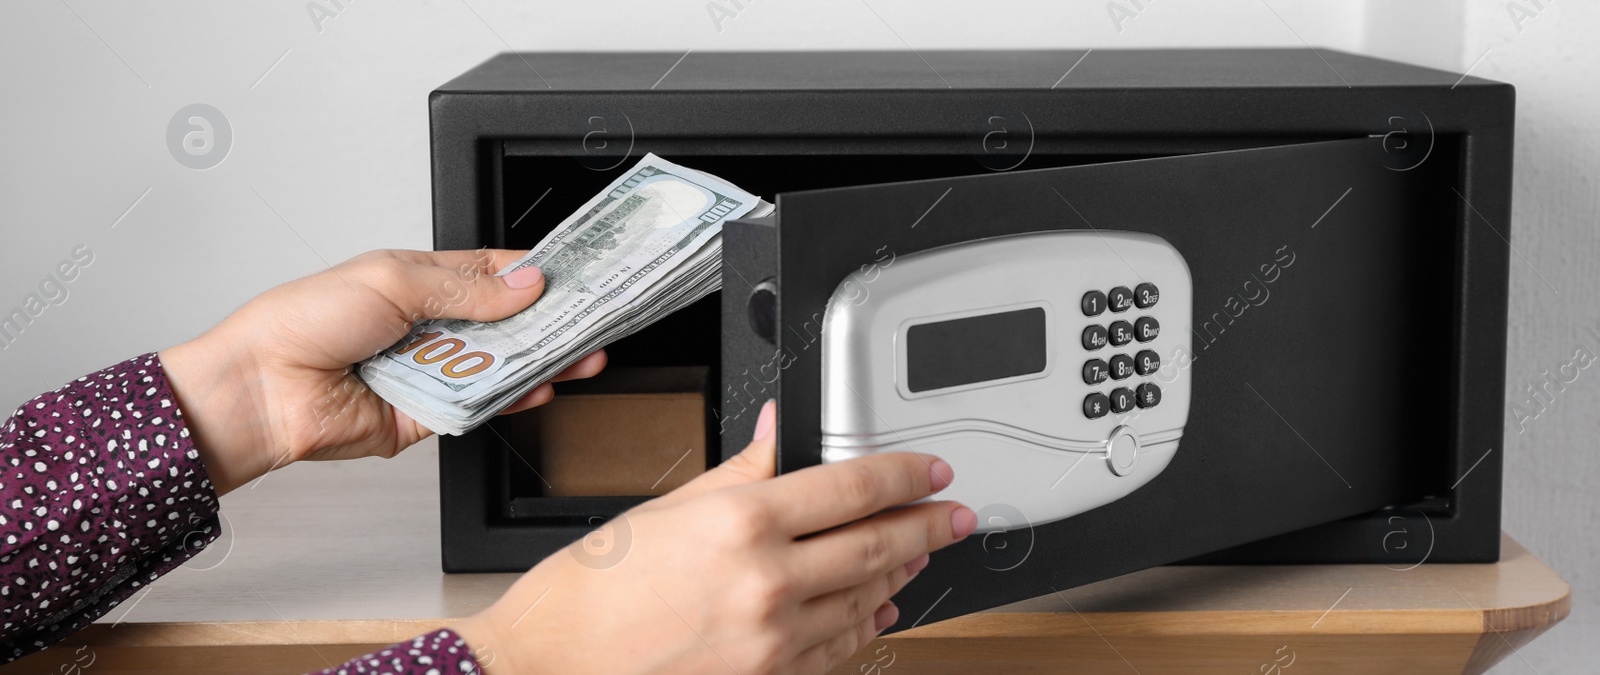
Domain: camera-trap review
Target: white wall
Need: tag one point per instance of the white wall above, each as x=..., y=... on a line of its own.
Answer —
x=334, y=136
x=1552, y=462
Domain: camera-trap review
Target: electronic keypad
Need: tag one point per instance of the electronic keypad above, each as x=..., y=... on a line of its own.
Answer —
x=1050, y=369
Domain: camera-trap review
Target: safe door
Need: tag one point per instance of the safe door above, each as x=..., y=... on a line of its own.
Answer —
x=1317, y=359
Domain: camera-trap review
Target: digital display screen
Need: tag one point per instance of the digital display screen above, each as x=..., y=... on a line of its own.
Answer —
x=975, y=349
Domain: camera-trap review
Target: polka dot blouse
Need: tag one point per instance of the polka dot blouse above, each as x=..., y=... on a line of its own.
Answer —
x=102, y=492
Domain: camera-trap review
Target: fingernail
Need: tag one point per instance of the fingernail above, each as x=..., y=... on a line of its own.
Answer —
x=917, y=564
x=524, y=277
x=963, y=522
x=885, y=617
x=767, y=420
x=940, y=474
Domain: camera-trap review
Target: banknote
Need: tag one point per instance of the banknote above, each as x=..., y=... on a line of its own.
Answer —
x=647, y=245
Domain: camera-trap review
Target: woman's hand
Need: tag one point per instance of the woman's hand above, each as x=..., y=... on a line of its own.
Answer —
x=274, y=382
x=720, y=575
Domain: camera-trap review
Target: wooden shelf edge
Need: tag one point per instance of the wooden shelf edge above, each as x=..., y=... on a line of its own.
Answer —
x=1462, y=621
x=1531, y=619
x=1541, y=599
x=1537, y=616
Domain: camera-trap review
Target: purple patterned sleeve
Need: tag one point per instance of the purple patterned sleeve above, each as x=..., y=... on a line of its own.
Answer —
x=438, y=653
x=101, y=492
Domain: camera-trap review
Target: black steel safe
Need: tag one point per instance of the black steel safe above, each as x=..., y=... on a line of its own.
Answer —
x=1354, y=416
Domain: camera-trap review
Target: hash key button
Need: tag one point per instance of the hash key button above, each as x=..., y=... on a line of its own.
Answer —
x=1148, y=394
x=1095, y=406
x=1145, y=295
x=1094, y=337
x=1146, y=329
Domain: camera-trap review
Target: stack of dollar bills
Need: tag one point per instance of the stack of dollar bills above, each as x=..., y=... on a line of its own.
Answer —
x=646, y=246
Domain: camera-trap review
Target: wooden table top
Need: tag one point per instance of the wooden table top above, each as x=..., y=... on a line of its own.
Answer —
x=345, y=556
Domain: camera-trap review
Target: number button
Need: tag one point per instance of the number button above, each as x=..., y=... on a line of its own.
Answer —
x=1121, y=400
x=1094, y=337
x=1094, y=371
x=1148, y=395
x=1121, y=333
x=1095, y=405
x=1121, y=367
x=1094, y=302
x=1146, y=328
x=1145, y=295
x=1147, y=362
x=1120, y=299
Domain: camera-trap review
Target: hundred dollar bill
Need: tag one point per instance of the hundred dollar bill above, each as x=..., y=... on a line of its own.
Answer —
x=641, y=242
x=448, y=417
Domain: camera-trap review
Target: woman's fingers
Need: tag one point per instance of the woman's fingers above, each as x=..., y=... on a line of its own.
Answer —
x=823, y=657
x=757, y=462
x=420, y=291
x=868, y=549
x=825, y=616
x=588, y=366
x=539, y=396
x=488, y=261
x=846, y=491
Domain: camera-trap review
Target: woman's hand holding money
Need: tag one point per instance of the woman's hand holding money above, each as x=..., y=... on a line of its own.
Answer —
x=273, y=383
